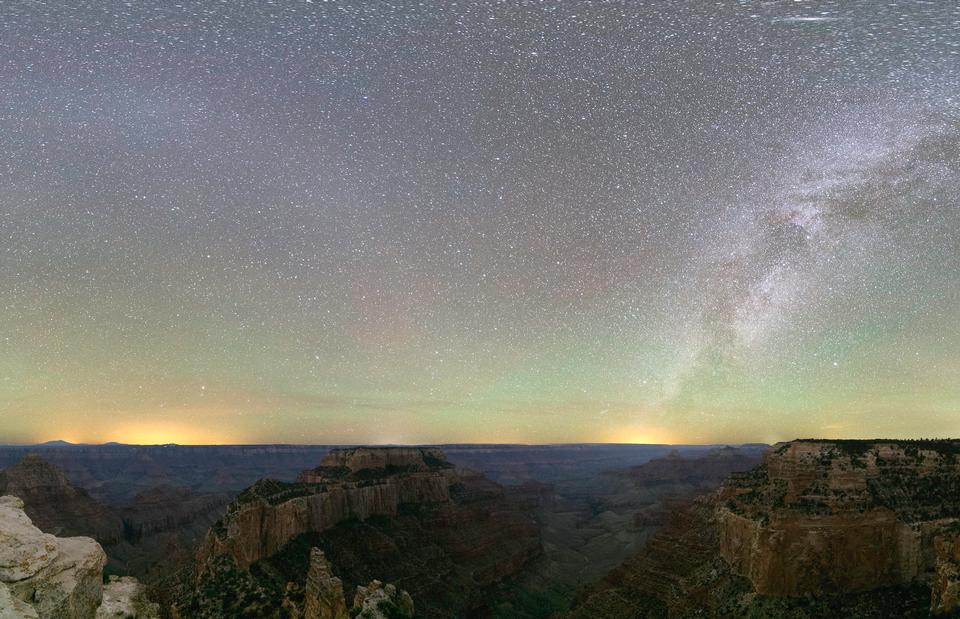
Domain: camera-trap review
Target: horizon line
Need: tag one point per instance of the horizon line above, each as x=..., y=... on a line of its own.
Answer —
x=62, y=443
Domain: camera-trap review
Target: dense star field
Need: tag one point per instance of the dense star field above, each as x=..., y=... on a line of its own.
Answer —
x=448, y=221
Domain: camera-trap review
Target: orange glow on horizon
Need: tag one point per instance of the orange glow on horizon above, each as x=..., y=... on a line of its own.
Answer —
x=644, y=436
x=156, y=429
x=163, y=432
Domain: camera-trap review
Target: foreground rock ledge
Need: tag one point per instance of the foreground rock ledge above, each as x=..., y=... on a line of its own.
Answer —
x=50, y=577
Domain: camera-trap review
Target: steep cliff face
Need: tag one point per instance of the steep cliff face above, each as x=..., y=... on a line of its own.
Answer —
x=839, y=516
x=167, y=508
x=945, y=587
x=54, y=505
x=270, y=513
x=393, y=514
x=845, y=529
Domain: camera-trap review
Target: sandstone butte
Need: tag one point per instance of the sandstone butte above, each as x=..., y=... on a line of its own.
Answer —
x=48, y=577
x=448, y=533
x=349, y=484
x=845, y=516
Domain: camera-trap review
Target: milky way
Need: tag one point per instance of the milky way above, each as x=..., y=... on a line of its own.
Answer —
x=479, y=221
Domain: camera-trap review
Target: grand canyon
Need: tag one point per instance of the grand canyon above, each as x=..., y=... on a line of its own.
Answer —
x=479, y=309
x=808, y=528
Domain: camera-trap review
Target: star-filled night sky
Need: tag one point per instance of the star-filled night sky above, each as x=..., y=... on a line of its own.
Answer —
x=478, y=221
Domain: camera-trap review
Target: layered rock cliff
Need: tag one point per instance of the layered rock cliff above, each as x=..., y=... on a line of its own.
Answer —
x=139, y=539
x=844, y=516
x=167, y=508
x=705, y=471
x=945, y=586
x=820, y=528
x=349, y=484
x=390, y=514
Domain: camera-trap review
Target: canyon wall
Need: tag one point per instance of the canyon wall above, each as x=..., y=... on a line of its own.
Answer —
x=819, y=528
x=945, y=587
x=388, y=514
x=270, y=513
x=820, y=516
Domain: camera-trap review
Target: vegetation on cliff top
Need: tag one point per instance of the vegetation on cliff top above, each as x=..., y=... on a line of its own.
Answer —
x=858, y=447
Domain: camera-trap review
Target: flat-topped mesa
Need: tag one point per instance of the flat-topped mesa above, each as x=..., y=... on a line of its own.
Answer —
x=360, y=463
x=349, y=484
x=822, y=516
x=404, y=515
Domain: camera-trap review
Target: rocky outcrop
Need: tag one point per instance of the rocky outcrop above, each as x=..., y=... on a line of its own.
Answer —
x=123, y=598
x=50, y=577
x=846, y=516
x=376, y=601
x=60, y=578
x=323, y=598
x=54, y=505
x=945, y=587
x=13, y=608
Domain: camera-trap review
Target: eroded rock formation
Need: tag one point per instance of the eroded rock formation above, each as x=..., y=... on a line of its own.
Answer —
x=323, y=598
x=270, y=513
x=59, y=577
x=51, y=577
x=820, y=528
x=395, y=514
x=945, y=587
x=125, y=597
x=844, y=516
x=379, y=601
